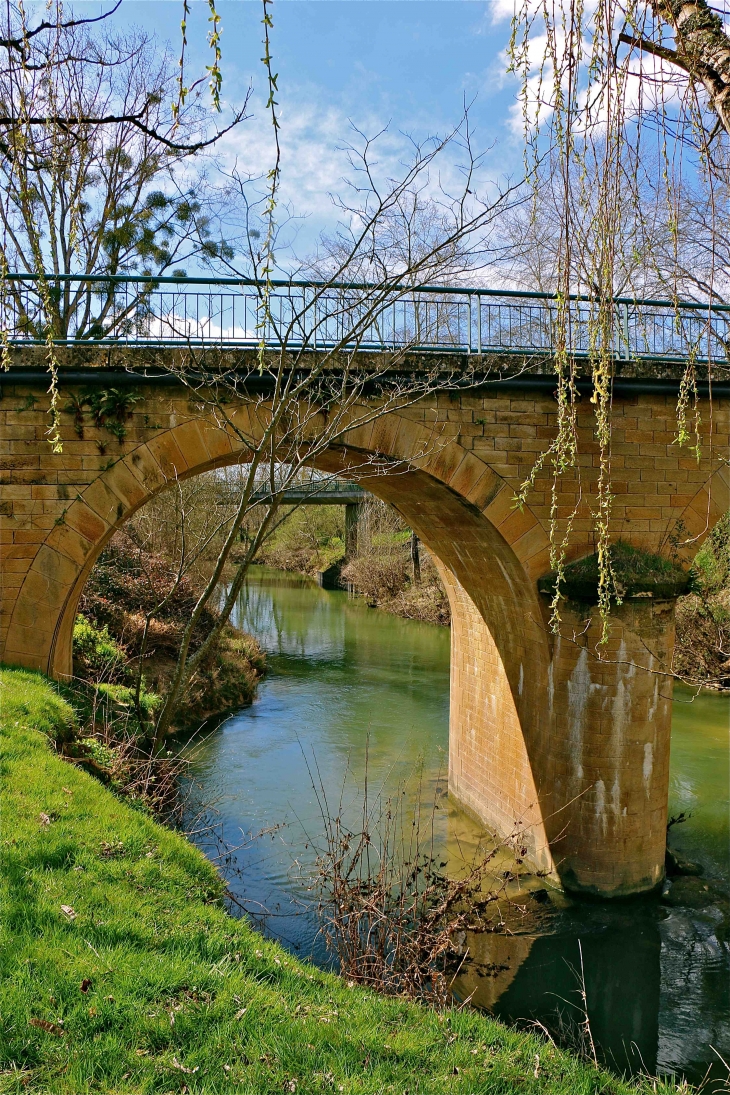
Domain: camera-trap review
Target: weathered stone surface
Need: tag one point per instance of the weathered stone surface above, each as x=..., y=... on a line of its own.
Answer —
x=555, y=740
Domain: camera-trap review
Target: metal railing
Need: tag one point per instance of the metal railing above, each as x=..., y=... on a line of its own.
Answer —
x=331, y=492
x=226, y=312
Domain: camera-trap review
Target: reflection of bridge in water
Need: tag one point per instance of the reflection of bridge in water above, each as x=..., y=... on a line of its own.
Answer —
x=555, y=737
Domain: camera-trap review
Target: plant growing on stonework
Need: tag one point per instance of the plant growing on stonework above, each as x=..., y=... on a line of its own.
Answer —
x=108, y=407
x=595, y=80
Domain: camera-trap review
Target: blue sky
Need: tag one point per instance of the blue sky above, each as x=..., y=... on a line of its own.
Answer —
x=408, y=65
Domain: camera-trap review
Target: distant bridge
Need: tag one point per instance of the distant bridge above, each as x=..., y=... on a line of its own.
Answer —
x=226, y=313
x=334, y=492
x=328, y=492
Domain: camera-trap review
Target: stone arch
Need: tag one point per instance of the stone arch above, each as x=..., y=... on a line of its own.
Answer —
x=702, y=511
x=441, y=493
x=488, y=552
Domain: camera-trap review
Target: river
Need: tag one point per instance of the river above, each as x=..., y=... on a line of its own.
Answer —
x=351, y=688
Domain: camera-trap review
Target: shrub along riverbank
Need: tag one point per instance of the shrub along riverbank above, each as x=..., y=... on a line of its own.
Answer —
x=125, y=588
x=120, y=970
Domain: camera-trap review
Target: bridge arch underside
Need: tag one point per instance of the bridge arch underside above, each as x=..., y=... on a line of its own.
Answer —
x=567, y=754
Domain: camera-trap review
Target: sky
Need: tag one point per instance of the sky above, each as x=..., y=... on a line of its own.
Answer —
x=408, y=66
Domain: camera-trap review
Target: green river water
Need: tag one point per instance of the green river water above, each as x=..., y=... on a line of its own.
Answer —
x=346, y=682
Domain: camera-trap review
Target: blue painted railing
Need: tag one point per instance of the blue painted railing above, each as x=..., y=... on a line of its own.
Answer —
x=226, y=312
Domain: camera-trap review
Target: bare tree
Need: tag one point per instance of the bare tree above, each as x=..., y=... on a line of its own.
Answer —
x=315, y=378
x=643, y=258
x=34, y=53
x=107, y=198
x=682, y=257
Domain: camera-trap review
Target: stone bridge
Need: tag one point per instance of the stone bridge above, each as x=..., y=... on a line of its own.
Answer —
x=546, y=739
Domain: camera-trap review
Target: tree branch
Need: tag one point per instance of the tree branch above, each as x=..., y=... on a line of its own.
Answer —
x=20, y=43
x=69, y=124
x=655, y=49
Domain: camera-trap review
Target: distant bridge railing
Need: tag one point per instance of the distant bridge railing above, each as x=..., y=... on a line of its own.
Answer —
x=330, y=492
x=226, y=313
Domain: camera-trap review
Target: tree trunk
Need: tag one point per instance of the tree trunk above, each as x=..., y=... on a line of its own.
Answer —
x=415, y=560
x=703, y=48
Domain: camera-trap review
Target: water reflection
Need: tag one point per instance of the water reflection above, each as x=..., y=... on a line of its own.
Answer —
x=656, y=975
x=541, y=977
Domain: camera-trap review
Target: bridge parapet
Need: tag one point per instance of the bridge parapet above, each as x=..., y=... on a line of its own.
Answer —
x=331, y=492
x=226, y=312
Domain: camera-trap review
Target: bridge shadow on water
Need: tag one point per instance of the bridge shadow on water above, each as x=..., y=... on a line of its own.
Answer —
x=537, y=979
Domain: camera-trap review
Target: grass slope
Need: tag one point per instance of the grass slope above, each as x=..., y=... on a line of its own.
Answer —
x=120, y=970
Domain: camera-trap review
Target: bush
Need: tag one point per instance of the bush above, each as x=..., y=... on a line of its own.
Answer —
x=711, y=569
x=98, y=654
x=310, y=539
x=378, y=577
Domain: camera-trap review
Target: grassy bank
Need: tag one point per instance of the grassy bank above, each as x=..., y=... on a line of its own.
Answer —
x=120, y=970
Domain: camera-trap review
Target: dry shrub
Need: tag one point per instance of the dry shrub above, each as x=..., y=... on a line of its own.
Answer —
x=702, y=646
x=384, y=579
x=109, y=746
x=127, y=583
x=378, y=577
x=390, y=914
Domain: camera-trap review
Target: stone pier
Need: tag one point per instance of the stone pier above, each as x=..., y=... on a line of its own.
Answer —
x=552, y=737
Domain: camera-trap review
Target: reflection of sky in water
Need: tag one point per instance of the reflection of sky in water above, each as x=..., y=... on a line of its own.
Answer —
x=345, y=679
x=339, y=684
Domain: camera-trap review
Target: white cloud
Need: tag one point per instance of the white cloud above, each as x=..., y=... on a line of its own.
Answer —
x=314, y=161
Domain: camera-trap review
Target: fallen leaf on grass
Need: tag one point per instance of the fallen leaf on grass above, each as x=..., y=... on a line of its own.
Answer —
x=44, y=819
x=66, y=791
x=187, y=1071
x=85, y=984
x=68, y=911
x=50, y=1028
x=240, y=1013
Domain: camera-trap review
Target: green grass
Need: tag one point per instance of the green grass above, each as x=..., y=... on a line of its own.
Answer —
x=149, y=986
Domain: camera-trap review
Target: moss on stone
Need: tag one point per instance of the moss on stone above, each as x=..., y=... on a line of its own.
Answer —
x=638, y=573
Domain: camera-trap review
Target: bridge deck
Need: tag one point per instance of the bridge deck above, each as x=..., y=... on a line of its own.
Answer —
x=337, y=493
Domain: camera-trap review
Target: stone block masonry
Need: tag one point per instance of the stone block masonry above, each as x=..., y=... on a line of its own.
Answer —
x=548, y=740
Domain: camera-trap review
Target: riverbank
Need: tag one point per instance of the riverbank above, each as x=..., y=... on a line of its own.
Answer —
x=124, y=587
x=387, y=569
x=121, y=971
